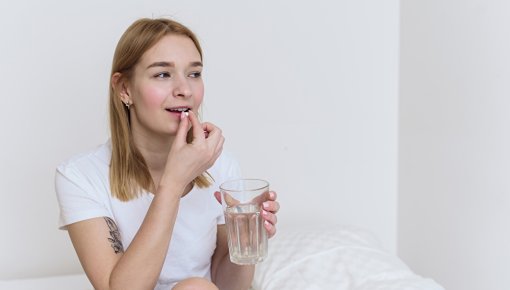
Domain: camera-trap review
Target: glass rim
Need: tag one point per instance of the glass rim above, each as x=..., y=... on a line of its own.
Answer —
x=223, y=185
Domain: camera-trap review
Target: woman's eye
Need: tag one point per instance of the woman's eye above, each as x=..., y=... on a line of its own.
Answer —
x=195, y=74
x=162, y=75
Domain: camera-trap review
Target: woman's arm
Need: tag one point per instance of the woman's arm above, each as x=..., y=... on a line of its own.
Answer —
x=108, y=266
x=225, y=274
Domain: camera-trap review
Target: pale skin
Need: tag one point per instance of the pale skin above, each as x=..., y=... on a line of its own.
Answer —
x=167, y=76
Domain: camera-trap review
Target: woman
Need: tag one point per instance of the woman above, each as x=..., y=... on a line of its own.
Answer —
x=141, y=210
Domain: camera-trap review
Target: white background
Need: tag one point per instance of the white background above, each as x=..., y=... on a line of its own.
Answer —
x=307, y=94
x=454, y=150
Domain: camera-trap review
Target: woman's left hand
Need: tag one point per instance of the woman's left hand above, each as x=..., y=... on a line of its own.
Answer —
x=269, y=209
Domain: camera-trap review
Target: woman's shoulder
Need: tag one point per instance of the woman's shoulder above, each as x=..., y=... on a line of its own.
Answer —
x=97, y=157
x=226, y=166
x=226, y=159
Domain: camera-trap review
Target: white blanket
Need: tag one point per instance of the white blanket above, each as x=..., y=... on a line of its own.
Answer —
x=334, y=258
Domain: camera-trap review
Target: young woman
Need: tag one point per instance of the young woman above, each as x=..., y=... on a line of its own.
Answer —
x=143, y=209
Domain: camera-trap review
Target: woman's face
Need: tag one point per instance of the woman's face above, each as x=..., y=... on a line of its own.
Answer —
x=166, y=80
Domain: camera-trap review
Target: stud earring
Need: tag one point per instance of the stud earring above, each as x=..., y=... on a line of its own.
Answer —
x=127, y=104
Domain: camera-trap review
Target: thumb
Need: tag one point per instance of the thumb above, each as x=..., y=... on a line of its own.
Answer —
x=217, y=194
x=182, y=130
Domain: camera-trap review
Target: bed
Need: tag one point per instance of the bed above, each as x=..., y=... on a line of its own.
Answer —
x=327, y=258
x=334, y=258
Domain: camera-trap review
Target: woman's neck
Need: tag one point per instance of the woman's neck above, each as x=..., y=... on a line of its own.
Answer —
x=154, y=150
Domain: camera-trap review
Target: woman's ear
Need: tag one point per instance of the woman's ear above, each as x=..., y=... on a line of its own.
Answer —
x=120, y=87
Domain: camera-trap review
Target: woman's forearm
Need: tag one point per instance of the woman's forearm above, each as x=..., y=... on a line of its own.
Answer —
x=141, y=264
x=230, y=276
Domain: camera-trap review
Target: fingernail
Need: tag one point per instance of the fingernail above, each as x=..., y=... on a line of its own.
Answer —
x=183, y=115
x=264, y=213
x=267, y=223
x=271, y=195
x=265, y=205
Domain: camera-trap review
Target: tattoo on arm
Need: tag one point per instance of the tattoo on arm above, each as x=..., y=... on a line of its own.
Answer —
x=114, y=236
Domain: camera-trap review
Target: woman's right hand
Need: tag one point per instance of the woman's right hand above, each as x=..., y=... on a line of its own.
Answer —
x=186, y=160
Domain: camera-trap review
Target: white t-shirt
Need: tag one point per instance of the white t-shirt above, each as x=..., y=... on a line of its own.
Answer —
x=83, y=192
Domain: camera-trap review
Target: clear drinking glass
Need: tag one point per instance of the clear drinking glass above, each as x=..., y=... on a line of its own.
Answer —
x=242, y=204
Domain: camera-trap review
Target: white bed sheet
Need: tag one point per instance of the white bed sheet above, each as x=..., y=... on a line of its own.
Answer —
x=334, y=258
x=64, y=282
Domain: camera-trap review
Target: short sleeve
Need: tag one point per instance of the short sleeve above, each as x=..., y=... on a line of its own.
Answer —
x=230, y=170
x=77, y=198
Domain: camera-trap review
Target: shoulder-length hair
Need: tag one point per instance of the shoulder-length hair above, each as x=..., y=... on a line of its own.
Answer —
x=129, y=173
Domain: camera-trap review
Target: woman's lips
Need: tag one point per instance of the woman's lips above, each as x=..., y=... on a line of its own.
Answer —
x=177, y=111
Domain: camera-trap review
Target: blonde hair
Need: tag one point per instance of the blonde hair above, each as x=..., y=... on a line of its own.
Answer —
x=129, y=173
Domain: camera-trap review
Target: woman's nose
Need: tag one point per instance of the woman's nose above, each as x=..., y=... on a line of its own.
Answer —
x=182, y=88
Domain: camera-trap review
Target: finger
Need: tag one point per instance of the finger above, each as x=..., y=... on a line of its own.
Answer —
x=182, y=130
x=208, y=127
x=198, y=132
x=213, y=135
x=271, y=229
x=216, y=155
x=210, y=130
x=215, y=141
x=215, y=145
x=272, y=206
x=272, y=195
x=268, y=195
x=217, y=194
x=219, y=147
x=229, y=200
x=270, y=217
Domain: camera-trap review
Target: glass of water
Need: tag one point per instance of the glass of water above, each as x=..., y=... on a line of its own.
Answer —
x=242, y=205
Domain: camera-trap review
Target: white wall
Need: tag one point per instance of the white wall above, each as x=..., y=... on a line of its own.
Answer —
x=306, y=93
x=454, y=185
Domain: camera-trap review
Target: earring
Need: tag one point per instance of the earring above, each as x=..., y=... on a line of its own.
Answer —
x=127, y=104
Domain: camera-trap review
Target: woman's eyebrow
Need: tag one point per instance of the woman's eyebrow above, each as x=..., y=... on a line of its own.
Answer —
x=196, y=63
x=171, y=64
x=162, y=64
